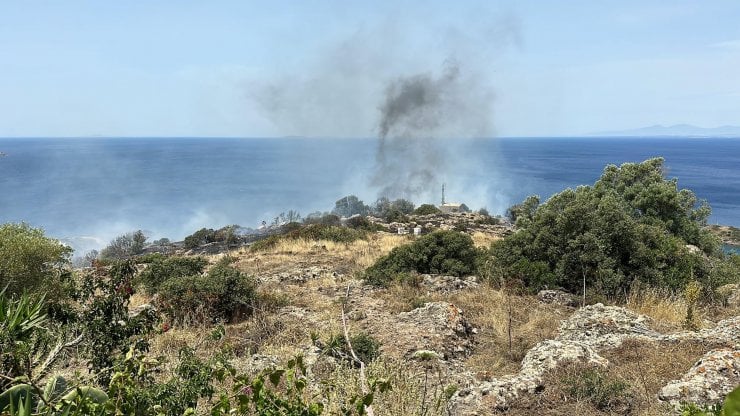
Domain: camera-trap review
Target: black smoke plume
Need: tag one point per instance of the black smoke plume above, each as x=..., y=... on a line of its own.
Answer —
x=421, y=119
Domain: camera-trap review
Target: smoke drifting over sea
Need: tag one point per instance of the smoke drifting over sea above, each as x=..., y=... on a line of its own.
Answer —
x=420, y=118
x=424, y=104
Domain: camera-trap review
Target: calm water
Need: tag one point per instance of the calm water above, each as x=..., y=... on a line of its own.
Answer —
x=100, y=188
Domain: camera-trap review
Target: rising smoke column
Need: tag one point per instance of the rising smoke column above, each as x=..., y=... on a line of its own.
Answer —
x=422, y=119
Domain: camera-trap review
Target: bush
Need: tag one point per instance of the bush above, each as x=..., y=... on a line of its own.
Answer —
x=441, y=252
x=365, y=346
x=631, y=225
x=109, y=329
x=224, y=294
x=334, y=233
x=162, y=269
x=362, y=223
x=427, y=209
x=30, y=261
x=226, y=235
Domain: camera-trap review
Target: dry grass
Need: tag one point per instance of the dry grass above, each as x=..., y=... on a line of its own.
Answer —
x=484, y=239
x=416, y=389
x=488, y=310
x=351, y=257
x=666, y=308
x=638, y=369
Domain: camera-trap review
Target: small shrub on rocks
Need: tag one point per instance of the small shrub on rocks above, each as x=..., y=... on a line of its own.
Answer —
x=223, y=294
x=441, y=252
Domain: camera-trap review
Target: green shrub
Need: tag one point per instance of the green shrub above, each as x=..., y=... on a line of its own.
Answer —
x=162, y=269
x=31, y=262
x=440, y=252
x=427, y=209
x=365, y=346
x=349, y=206
x=334, y=233
x=362, y=223
x=631, y=225
x=22, y=334
x=108, y=328
x=223, y=294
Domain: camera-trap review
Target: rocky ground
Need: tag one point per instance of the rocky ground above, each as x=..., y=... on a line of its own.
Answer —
x=490, y=352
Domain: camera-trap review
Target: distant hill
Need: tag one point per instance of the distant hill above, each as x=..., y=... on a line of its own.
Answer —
x=684, y=130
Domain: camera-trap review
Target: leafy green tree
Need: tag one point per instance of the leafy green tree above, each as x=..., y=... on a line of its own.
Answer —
x=525, y=210
x=30, y=261
x=632, y=224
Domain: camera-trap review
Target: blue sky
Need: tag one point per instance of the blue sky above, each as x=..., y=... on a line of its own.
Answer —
x=319, y=68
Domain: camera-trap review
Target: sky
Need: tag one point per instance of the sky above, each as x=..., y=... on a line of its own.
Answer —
x=321, y=68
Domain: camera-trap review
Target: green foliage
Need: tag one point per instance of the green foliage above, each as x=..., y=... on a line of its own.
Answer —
x=162, y=269
x=334, y=233
x=124, y=246
x=22, y=334
x=427, y=209
x=393, y=211
x=108, y=328
x=225, y=235
x=596, y=386
x=440, y=252
x=525, y=210
x=365, y=346
x=362, y=223
x=349, y=206
x=223, y=294
x=631, y=225
x=31, y=262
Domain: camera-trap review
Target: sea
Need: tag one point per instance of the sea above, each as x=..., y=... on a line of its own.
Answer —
x=86, y=191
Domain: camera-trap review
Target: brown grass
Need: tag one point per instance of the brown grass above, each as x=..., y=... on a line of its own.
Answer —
x=481, y=239
x=666, y=308
x=642, y=367
x=488, y=310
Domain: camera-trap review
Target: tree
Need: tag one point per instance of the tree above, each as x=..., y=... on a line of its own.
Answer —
x=125, y=246
x=30, y=261
x=523, y=210
x=632, y=224
x=349, y=206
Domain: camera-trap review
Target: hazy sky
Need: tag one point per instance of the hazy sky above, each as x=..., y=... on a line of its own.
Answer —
x=319, y=68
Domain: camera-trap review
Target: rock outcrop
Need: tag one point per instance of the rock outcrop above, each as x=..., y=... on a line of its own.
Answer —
x=438, y=326
x=557, y=297
x=598, y=327
x=707, y=382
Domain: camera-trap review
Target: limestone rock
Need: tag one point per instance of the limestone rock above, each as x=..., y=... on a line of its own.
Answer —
x=558, y=297
x=448, y=284
x=602, y=326
x=436, y=326
x=707, y=382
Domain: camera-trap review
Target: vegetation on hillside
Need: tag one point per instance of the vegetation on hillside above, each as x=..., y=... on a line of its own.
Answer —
x=632, y=225
x=440, y=252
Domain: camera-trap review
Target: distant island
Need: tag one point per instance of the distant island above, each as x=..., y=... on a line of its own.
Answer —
x=676, y=130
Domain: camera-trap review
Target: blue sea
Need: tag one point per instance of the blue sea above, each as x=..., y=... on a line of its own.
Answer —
x=88, y=190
